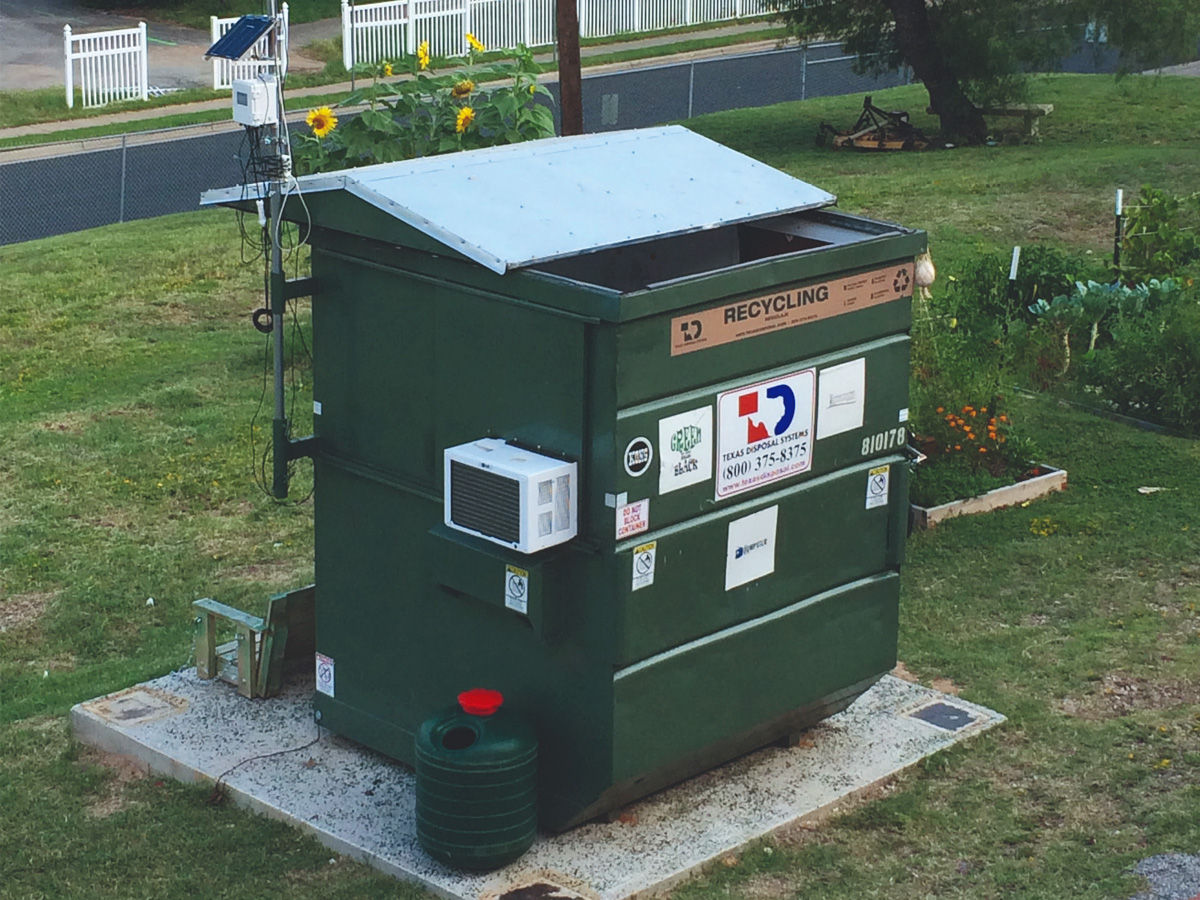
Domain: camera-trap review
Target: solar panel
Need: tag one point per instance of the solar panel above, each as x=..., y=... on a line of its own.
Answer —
x=240, y=37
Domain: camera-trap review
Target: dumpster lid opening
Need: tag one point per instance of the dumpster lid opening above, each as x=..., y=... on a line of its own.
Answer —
x=521, y=204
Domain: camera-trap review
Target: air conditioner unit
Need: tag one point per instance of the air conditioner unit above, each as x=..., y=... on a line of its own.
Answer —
x=511, y=496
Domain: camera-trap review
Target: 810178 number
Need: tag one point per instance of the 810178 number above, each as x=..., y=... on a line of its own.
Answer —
x=885, y=440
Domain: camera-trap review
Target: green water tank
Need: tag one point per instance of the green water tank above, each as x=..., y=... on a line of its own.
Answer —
x=476, y=783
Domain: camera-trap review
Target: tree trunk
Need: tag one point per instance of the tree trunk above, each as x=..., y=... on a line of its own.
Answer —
x=962, y=122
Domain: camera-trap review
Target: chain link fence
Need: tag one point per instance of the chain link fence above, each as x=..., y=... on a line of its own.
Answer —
x=152, y=174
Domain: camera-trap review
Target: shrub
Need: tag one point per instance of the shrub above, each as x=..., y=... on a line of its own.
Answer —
x=1151, y=367
x=1162, y=236
x=428, y=114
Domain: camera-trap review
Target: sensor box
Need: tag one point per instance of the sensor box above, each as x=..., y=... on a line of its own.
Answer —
x=254, y=101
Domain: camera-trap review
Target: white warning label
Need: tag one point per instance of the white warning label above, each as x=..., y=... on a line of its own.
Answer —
x=643, y=565
x=877, y=486
x=324, y=675
x=516, y=589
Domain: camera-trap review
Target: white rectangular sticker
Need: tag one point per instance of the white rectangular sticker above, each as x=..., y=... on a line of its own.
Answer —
x=516, y=589
x=877, y=486
x=324, y=675
x=316, y=407
x=643, y=565
x=765, y=432
x=750, y=547
x=841, y=393
x=633, y=518
x=685, y=449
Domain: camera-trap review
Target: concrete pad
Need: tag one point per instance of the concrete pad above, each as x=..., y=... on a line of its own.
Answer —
x=276, y=760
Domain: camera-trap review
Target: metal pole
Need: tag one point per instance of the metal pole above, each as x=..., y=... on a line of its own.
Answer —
x=1119, y=233
x=121, y=211
x=279, y=425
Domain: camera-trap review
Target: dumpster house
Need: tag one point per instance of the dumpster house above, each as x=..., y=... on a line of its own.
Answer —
x=613, y=425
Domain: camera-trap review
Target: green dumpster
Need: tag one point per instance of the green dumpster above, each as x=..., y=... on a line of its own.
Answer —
x=614, y=425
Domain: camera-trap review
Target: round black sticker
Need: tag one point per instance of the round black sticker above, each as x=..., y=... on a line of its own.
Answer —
x=638, y=456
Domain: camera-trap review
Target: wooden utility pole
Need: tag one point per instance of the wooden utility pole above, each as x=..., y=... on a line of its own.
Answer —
x=570, y=96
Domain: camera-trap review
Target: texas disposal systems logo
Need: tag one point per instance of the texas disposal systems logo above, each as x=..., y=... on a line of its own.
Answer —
x=765, y=432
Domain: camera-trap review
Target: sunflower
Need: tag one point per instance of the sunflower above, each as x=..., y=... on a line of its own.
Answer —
x=466, y=116
x=321, y=120
x=474, y=43
x=423, y=55
x=387, y=70
x=462, y=89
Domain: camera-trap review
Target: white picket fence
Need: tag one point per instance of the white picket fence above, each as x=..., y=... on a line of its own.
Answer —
x=112, y=65
x=255, y=62
x=377, y=31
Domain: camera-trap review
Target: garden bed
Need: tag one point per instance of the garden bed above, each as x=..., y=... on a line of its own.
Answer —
x=1039, y=482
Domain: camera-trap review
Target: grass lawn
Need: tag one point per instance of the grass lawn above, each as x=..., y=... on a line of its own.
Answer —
x=129, y=381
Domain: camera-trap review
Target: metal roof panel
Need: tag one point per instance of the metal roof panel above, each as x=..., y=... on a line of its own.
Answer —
x=521, y=204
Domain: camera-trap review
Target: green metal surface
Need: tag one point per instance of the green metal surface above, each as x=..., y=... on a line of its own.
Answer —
x=629, y=684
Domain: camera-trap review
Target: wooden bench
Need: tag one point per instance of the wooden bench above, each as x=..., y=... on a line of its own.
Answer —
x=263, y=648
x=1029, y=112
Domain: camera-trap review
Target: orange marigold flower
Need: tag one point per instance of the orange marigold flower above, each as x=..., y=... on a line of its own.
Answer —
x=983, y=449
x=983, y=409
x=941, y=409
x=958, y=446
x=1004, y=418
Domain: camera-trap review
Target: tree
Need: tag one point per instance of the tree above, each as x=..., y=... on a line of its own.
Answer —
x=973, y=53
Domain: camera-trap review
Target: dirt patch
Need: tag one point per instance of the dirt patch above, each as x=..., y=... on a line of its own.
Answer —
x=766, y=885
x=1118, y=694
x=271, y=571
x=123, y=771
x=945, y=685
x=23, y=610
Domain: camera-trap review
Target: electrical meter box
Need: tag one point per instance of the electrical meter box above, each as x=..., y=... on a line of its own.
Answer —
x=614, y=424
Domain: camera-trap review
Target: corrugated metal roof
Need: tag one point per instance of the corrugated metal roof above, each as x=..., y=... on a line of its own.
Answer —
x=521, y=204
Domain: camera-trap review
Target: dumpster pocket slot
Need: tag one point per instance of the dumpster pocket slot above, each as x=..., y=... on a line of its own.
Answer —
x=472, y=568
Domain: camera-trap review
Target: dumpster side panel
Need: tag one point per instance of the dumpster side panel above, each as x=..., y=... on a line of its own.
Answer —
x=671, y=706
x=824, y=534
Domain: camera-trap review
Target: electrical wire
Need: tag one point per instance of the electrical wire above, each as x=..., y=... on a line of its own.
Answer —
x=218, y=794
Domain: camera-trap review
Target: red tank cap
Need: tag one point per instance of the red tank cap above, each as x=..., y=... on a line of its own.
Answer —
x=480, y=701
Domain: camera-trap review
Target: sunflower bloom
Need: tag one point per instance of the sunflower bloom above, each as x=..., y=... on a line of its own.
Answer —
x=466, y=116
x=474, y=44
x=387, y=70
x=423, y=55
x=462, y=89
x=321, y=120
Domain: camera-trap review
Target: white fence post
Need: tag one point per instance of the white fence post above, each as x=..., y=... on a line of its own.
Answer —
x=70, y=67
x=214, y=35
x=144, y=61
x=347, y=37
